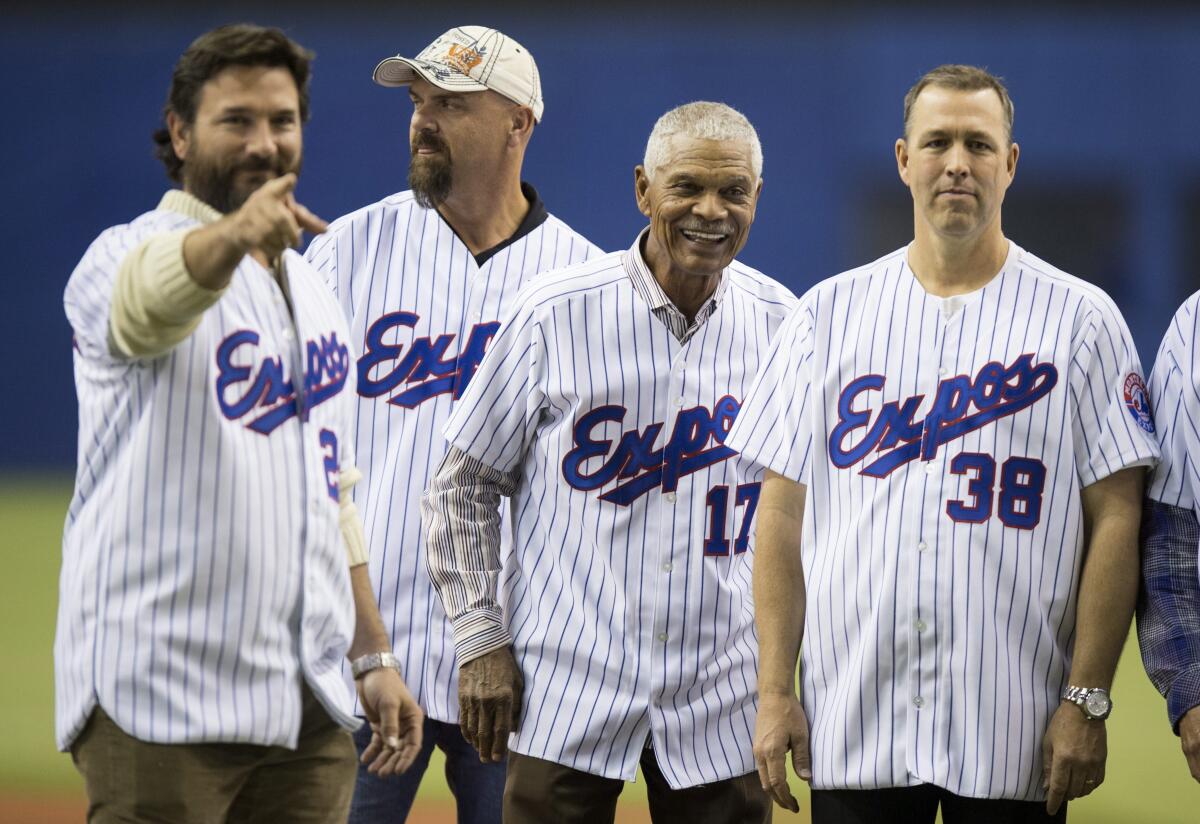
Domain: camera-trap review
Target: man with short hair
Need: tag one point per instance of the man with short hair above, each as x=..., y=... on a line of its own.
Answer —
x=625, y=635
x=205, y=601
x=424, y=277
x=954, y=437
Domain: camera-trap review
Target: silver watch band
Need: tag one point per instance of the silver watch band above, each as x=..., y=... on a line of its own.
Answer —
x=365, y=663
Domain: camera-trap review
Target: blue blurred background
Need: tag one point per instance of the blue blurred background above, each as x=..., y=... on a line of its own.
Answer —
x=1108, y=186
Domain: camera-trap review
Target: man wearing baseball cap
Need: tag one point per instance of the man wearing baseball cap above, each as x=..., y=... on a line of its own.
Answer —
x=425, y=277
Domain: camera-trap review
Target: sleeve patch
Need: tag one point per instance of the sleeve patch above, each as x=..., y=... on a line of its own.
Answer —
x=1137, y=401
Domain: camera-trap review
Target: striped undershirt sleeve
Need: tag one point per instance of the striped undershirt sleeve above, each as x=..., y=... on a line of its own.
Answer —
x=461, y=515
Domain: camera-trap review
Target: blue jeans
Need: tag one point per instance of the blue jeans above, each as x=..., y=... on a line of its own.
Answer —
x=478, y=787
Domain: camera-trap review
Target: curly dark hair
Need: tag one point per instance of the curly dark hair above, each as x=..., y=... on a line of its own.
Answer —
x=238, y=44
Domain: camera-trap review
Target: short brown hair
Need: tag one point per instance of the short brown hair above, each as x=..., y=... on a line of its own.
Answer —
x=964, y=79
x=238, y=44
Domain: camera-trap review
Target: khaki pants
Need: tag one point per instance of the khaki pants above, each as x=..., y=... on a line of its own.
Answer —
x=137, y=782
x=542, y=792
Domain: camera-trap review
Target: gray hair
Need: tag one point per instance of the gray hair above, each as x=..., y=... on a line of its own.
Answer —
x=701, y=120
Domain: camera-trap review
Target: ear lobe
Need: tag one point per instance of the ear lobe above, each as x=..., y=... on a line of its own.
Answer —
x=180, y=135
x=522, y=124
x=641, y=187
x=902, y=160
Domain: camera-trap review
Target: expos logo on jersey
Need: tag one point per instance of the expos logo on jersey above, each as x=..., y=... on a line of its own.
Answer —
x=423, y=369
x=264, y=392
x=962, y=404
x=696, y=441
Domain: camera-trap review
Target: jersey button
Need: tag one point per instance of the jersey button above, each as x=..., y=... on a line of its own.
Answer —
x=943, y=371
x=921, y=547
x=930, y=467
x=670, y=497
x=662, y=636
x=918, y=702
x=286, y=332
x=679, y=401
x=919, y=625
x=667, y=566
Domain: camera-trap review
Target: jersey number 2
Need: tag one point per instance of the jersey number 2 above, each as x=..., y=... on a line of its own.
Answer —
x=717, y=542
x=329, y=446
x=1021, y=483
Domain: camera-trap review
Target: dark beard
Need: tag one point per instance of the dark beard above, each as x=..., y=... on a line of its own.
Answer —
x=430, y=176
x=214, y=183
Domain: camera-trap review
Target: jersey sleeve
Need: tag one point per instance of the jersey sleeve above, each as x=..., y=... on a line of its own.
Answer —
x=494, y=421
x=321, y=254
x=774, y=425
x=1175, y=399
x=88, y=297
x=1113, y=427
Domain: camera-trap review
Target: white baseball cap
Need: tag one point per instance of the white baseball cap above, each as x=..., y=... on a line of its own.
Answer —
x=471, y=59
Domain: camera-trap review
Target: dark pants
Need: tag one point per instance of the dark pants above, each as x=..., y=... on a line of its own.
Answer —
x=538, y=792
x=134, y=781
x=919, y=805
x=477, y=786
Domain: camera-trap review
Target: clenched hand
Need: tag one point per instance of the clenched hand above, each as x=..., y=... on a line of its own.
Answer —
x=489, y=702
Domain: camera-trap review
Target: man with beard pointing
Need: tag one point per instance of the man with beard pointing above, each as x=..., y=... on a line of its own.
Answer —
x=425, y=276
x=214, y=573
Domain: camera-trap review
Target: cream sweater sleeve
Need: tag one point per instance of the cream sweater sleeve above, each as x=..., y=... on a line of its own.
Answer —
x=348, y=518
x=155, y=303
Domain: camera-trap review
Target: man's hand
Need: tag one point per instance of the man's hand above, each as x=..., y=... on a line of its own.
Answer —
x=271, y=220
x=1189, y=739
x=489, y=702
x=396, y=722
x=1073, y=755
x=781, y=726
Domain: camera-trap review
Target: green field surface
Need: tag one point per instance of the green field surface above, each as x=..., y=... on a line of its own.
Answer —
x=1147, y=777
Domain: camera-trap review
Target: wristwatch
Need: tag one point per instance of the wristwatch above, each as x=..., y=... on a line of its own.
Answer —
x=1092, y=701
x=365, y=663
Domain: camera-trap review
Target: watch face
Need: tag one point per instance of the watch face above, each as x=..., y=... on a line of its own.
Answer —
x=1097, y=703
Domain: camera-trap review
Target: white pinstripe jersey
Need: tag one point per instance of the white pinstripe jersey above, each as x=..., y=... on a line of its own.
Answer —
x=944, y=451
x=628, y=590
x=1175, y=392
x=203, y=572
x=421, y=313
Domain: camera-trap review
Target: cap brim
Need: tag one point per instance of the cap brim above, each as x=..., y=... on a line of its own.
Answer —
x=401, y=71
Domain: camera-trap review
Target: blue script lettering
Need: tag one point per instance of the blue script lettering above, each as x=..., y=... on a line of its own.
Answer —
x=635, y=456
x=996, y=392
x=425, y=362
x=267, y=388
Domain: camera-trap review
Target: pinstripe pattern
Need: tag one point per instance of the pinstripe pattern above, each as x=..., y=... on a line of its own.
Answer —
x=1175, y=390
x=203, y=569
x=621, y=625
x=397, y=257
x=935, y=648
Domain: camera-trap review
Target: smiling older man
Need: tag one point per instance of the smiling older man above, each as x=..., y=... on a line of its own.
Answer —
x=601, y=410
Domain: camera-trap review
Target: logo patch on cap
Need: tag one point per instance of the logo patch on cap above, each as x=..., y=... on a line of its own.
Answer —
x=1137, y=400
x=464, y=59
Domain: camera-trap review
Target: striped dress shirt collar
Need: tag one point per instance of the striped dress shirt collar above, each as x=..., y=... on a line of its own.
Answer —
x=649, y=290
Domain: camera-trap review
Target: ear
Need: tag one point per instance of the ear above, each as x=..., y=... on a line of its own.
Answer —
x=181, y=135
x=521, y=125
x=1014, y=152
x=754, y=200
x=902, y=159
x=641, y=189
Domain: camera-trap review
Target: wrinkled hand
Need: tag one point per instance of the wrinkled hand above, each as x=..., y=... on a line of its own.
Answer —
x=396, y=722
x=1189, y=739
x=781, y=726
x=1073, y=755
x=271, y=220
x=489, y=702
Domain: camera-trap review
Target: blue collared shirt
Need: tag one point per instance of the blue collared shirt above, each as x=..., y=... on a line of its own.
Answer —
x=1168, y=610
